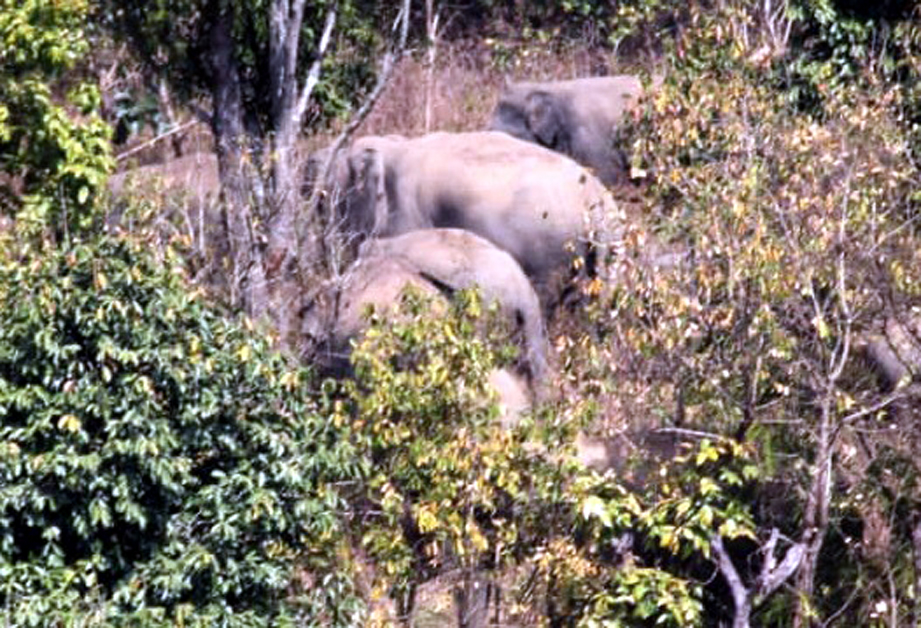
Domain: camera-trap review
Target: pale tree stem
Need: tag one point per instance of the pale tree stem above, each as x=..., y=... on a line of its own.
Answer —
x=431, y=27
x=769, y=580
x=319, y=227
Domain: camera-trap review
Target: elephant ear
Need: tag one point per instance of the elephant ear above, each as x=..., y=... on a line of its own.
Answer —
x=544, y=119
x=371, y=187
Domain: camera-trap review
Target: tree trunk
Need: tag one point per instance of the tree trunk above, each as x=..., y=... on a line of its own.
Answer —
x=247, y=281
x=815, y=517
x=916, y=551
x=741, y=595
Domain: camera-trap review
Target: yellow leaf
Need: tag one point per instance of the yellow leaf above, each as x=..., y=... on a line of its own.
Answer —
x=70, y=423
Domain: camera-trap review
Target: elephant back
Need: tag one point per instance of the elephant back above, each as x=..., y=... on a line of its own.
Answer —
x=456, y=259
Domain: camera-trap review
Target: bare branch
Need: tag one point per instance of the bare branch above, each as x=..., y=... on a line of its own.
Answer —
x=293, y=38
x=740, y=593
x=383, y=77
x=391, y=57
x=678, y=431
x=313, y=76
x=152, y=141
x=771, y=578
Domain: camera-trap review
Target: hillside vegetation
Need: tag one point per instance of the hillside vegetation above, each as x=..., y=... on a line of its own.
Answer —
x=729, y=435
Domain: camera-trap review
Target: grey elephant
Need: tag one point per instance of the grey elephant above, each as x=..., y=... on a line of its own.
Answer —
x=525, y=199
x=579, y=118
x=194, y=175
x=437, y=262
x=457, y=260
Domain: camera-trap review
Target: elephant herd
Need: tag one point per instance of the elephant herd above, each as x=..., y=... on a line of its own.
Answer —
x=505, y=210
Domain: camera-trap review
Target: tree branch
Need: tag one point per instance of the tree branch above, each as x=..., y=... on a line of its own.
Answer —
x=772, y=577
x=740, y=593
x=387, y=65
x=313, y=75
x=292, y=41
x=152, y=141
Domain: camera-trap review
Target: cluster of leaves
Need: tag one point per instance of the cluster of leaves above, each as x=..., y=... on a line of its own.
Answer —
x=158, y=464
x=54, y=149
x=640, y=549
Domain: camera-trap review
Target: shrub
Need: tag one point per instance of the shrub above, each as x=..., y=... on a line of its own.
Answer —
x=158, y=464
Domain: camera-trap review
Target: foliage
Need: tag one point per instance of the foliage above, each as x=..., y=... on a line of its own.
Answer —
x=661, y=533
x=452, y=487
x=788, y=237
x=158, y=464
x=54, y=149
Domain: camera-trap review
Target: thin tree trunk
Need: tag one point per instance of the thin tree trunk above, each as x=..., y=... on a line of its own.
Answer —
x=815, y=517
x=248, y=285
x=165, y=103
x=741, y=595
x=431, y=28
x=916, y=551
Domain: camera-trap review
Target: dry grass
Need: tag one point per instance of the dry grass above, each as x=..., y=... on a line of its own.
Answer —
x=465, y=84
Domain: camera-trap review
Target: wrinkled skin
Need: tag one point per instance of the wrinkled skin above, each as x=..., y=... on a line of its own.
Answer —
x=193, y=180
x=332, y=318
x=525, y=199
x=437, y=262
x=456, y=260
x=195, y=175
x=578, y=118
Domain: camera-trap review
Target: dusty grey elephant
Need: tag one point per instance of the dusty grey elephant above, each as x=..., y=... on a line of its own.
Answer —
x=525, y=199
x=438, y=262
x=579, y=118
x=455, y=260
x=195, y=176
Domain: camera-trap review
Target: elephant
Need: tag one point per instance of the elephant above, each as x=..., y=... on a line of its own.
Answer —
x=437, y=262
x=195, y=175
x=579, y=118
x=458, y=259
x=525, y=199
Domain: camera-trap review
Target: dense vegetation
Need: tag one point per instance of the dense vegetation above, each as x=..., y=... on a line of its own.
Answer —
x=166, y=460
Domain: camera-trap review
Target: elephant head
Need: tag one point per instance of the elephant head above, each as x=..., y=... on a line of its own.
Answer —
x=895, y=353
x=578, y=118
x=354, y=185
x=454, y=259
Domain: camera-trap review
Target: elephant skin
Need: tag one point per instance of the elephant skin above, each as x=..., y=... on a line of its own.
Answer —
x=525, y=199
x=195, y=175
x=442, y=262
x=458, y=260
x=579, y=118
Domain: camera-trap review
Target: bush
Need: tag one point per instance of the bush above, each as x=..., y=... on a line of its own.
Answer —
x=795, y=232
x=158, y=464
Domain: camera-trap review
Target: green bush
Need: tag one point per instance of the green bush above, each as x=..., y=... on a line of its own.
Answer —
x=158, y=464
x=54, y=148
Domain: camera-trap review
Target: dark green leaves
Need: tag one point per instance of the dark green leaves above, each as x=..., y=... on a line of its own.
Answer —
x=156, y=461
